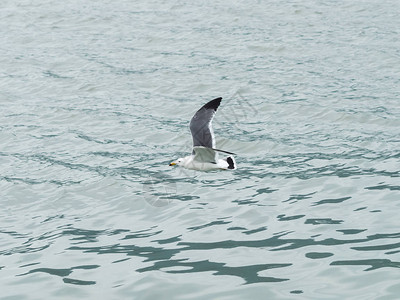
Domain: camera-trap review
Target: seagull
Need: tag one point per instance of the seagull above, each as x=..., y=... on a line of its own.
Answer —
x=204, y=155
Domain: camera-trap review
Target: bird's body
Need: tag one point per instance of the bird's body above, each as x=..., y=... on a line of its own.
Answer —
x=204, y=155
x=200, y=162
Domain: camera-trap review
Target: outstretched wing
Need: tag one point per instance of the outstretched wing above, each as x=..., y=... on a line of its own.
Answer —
x=200, y=125
x=205, y=155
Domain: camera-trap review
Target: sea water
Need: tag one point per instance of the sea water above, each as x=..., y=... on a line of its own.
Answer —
x=95, y=102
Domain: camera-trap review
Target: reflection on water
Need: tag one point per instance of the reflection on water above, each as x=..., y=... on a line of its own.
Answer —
x=161, y=254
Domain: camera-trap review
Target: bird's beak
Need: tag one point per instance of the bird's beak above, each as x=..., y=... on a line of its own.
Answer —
x=172, y=164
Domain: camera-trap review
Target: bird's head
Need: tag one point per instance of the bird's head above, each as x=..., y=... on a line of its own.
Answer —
x=176, y=162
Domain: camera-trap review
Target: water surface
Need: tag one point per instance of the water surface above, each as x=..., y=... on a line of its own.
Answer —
x=95, y=102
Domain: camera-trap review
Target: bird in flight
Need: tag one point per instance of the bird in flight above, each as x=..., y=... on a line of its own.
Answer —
x=204, y=155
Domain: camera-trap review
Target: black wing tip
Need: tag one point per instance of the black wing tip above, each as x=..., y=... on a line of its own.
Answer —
x=231, y=163
x=213, y=104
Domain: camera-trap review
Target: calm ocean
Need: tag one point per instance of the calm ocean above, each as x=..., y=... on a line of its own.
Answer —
x=95, y=102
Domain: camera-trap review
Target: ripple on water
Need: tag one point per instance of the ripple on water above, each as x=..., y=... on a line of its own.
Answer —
x=96, y=103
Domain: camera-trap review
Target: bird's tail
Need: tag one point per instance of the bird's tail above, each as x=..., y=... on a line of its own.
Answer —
x=231, y=163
